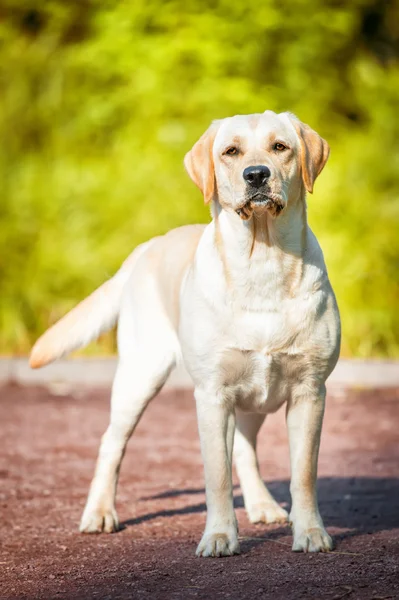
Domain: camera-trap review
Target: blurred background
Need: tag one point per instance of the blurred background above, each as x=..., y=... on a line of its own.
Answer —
x=100, y=100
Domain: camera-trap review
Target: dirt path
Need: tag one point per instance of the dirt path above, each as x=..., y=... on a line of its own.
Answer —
x=48, y=446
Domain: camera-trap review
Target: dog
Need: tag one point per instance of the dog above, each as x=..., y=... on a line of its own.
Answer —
x=246, y=303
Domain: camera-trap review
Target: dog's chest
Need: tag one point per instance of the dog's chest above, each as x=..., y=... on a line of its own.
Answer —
x=264, y=353
x=253, y=381
x=269, y=324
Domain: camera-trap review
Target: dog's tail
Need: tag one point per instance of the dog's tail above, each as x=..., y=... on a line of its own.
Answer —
x=84, y=323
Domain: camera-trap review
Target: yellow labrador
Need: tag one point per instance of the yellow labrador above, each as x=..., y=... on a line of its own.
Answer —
x=247, y=303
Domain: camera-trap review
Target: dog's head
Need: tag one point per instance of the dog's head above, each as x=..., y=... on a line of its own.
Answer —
x=256, y=163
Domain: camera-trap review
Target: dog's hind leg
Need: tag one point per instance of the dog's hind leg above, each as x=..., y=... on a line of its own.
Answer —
x=145, y=363
x=259, y=503
x=132, y=390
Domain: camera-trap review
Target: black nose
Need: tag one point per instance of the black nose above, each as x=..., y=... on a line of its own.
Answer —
x=256, y=176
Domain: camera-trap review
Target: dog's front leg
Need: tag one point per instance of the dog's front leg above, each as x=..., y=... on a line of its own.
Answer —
x=304, y=419
x=216, y=424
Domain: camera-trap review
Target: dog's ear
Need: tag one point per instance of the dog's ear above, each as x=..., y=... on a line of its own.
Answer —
x=314, y=152
x=199, y=163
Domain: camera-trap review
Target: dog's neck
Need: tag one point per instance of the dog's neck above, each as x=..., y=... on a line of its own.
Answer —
x=263, y=252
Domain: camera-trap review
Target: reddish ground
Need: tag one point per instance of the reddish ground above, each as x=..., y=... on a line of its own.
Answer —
x=48, y=445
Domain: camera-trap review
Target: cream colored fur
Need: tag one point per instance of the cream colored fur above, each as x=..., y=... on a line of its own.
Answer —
x=246, y=303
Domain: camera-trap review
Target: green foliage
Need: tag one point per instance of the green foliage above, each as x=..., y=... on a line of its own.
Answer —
x=99, y=101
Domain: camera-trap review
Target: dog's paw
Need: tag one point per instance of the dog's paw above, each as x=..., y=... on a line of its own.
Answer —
x=218, y=544
x=267, y=512
x=315, y=539
x=99, y=521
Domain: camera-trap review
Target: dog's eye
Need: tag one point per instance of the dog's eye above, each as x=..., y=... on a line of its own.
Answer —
x=232, y=151
x=279, y=147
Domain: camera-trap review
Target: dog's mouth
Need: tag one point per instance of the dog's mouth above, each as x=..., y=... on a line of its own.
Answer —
x=261, y=202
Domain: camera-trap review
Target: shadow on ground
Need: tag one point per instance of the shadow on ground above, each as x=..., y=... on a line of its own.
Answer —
x=360, y=504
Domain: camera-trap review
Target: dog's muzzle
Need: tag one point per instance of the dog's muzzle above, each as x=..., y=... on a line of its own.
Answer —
x=266, y=201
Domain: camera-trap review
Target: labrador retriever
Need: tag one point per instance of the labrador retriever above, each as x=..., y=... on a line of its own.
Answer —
x=247, y=304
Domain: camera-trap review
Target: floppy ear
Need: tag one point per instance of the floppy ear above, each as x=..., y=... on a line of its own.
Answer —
x=314, y=152
x=199, y=163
